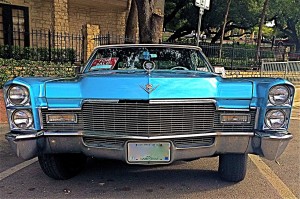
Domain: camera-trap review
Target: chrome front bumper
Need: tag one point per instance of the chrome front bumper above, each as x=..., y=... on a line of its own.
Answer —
x=267, y=145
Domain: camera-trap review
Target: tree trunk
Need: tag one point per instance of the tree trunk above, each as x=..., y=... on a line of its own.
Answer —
x=131, y=25
x=223, y=27
x=150, y=23
x=259, y=36
x=290, y=31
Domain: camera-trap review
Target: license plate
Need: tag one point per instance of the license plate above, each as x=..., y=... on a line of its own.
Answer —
x=148, y=152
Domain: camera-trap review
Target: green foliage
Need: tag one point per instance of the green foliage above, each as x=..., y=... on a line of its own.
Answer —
x=243, y=14
x=38, y=54
x=287, y=20
x=268, y=32
x=10, y=68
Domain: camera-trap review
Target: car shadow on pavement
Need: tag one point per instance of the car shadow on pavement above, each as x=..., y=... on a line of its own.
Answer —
x=180, y=176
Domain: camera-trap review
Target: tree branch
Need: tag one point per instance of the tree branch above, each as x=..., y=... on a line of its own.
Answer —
x=179, y=6
x=180, y=32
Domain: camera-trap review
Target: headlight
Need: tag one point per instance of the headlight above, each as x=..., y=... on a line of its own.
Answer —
x=18, y=95
x=275, y=119
x=22, y=119
x=279, y=95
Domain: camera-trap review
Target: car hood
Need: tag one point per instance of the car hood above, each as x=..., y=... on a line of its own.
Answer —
x=142, y=86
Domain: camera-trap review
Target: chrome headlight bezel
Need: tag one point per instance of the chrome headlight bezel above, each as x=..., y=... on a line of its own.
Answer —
x=281, y=116
x=25, y=114
x=282, y=92
x=23, y=93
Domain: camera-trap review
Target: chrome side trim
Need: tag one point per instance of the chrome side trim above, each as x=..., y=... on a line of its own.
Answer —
x=256, y=118
x=232, y=109
x=64, y=109
x=24, y=137
x=183, y=101
x=82, y=133
x=99, y=101
x=152, y=137
x=41, y=118
x=63, y=133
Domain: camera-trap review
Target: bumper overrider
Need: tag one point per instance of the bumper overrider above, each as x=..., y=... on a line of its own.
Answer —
x=269, y=145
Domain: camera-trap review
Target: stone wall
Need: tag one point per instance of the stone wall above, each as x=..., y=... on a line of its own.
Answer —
x=112, y=21
x=90, y=31
x=63, y=16
x=60, y=18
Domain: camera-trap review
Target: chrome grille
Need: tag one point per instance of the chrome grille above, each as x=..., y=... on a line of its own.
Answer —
x=193, y=142
x=144, y=119
x=103, y=142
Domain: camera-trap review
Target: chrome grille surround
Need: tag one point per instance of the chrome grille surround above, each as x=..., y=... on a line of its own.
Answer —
x=141, y=118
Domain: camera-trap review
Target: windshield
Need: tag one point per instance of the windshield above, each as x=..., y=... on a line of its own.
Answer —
x=148, y=58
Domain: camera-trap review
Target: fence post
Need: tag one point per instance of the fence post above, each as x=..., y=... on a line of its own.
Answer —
x=261, y=68
x=83, y=49
x=232, y=56
x=9, y=37
x=49, y=44
x=286, y=68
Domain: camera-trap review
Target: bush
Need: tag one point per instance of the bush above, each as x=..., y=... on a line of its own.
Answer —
x=10, y=68
x=38, y=54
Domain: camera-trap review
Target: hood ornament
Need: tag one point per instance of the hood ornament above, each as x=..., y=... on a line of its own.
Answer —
x=149, y=88
x=149, y=66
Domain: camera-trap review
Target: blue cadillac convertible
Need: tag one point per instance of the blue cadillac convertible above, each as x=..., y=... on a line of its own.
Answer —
x=147, y=104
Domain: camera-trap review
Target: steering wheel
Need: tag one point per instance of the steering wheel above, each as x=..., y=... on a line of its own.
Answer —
x=179, y=68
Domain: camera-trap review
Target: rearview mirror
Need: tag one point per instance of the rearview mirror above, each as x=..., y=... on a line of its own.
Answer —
x=78, y=69
x=220, y=70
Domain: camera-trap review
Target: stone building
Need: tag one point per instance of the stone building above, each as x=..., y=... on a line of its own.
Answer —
x=24, y=19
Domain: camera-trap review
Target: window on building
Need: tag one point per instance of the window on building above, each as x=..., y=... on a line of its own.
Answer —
x=14, y=25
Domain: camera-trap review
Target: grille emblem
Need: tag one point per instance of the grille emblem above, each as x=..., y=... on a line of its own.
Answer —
x=149, y=88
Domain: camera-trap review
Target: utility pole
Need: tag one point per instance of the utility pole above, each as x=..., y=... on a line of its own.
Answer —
x=203, y=5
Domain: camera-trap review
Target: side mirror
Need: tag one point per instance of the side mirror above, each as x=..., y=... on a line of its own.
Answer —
x=78, y=69
x=220, y=70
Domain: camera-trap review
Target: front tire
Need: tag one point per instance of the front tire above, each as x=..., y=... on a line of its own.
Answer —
x=62, y=166
x=233, y=167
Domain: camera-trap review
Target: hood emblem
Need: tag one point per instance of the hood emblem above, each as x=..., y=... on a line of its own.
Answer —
x=149, y=88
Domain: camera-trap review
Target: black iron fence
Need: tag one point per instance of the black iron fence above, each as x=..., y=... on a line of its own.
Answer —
x=109, y=38
x=240, y=56
x=233, y=56
x=43, y=45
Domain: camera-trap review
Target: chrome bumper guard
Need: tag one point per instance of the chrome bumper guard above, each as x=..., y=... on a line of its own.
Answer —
x=268, y=145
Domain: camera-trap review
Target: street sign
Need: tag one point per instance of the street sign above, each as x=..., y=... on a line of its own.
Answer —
x=203, y=4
